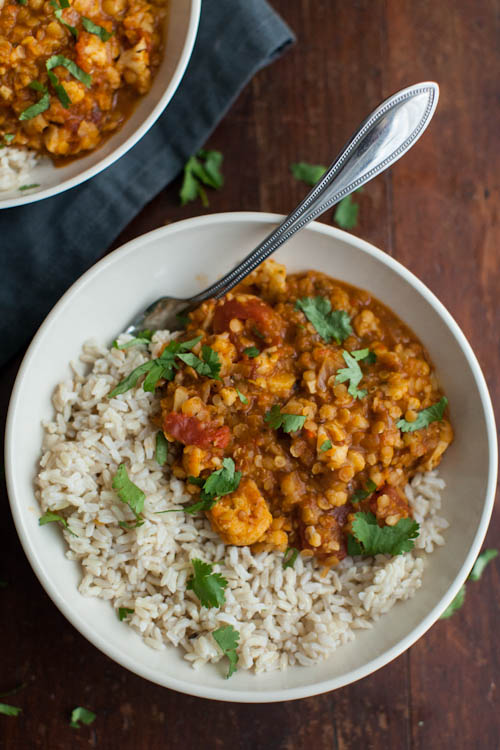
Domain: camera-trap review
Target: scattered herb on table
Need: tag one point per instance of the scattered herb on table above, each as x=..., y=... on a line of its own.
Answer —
x=325, y=445
x=161, y=448
x=251, y=351
x=208, y=586
x=425, y=417
x=130, y=494
x=227, y=639
x=369, y=489
x=353, y=371
x=289, y=422
x=83, y=715
x=142, y=338
x=50, y=517
x=93, y=28
x=477, y=570
x=346, y=211
x=7, y=710
x=330, y=324
x=368, y=538
x=289, y=558
x=208, y=365
x=124, y=612
x=156, y=369
x=201, y=169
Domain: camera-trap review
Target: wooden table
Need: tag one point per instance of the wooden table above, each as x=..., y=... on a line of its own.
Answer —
x=437, y=212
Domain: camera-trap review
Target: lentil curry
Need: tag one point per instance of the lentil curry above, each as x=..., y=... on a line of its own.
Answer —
x=311, y=446
x=71, y=70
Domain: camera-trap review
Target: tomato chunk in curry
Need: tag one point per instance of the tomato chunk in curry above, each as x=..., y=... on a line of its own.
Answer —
x=297, y=487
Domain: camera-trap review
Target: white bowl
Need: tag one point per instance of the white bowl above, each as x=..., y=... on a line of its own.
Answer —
x=182, y=25
x=181, y=259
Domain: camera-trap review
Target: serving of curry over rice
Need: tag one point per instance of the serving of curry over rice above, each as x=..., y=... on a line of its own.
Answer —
x=304, y=425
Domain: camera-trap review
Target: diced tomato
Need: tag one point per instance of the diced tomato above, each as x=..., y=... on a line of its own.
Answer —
x=190, y=431
x=252, y=309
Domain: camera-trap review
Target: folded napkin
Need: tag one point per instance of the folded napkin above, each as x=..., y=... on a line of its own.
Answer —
x=45, y=246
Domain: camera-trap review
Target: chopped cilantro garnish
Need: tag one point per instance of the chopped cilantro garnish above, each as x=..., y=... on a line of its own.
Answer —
x=202, y=168
x=455, y=604
x=161, y=448
x=163, y=367
x=370, y=487
x=22, y=2
x=346, y=212
x=227, y=639
x=208, y=587
x=59, y=89
x=8, y=137
x=81, y=714
x=482, y=561
x=353, y=371
x=209, y=365
x=325, y=445
x=308, y=173
x=142, y=338
x=40, y=106
x=123, y=613
x=219, y=483
x=251, y=351
x=241, y=397
x=49, y=517
x=29, y=187
x=289, y=422
x=93, y=28
x=130, y=494
x=7, y=710
x=70, y=65
x=330, y=324
x=433, y=413
x=289, y=557
x=368, y=538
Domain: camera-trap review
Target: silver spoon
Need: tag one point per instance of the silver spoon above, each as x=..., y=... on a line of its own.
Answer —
x=388, y=133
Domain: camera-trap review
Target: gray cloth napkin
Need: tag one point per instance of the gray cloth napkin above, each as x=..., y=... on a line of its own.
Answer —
x=45, y=246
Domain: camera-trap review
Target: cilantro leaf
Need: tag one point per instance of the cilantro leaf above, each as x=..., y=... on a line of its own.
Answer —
x=241, y=397
x=433, y=413
x=143, y=337
x=289, y=422
x=29, y=187
x=330, y=324
x=482, y=561
x=81, y=714
x=208, y=587
x=325, y=445
x=8, y=137
x=209, y=365
x=132, y=378
x=161, y=448
x=251, y=351
x=202, y=168
x=40, y=106
x=308, y=173
x=291, y=554
x=50, y=517
x=61, y=92
x=368, y=538
x=454, y=605
x=93, y=28
x=129, y=493
x=352, y=372
x=55, y=60
x=227, y=639
x=123, y=613
x=346, y=213
x=370, y=487
x=58, y=6
x=223, y=481
x=7, y=710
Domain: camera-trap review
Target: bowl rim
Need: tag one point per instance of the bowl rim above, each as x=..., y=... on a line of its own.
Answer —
x=246, y=695
x=135, y=137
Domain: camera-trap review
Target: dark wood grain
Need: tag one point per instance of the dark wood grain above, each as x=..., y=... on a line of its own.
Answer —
x=437, y=212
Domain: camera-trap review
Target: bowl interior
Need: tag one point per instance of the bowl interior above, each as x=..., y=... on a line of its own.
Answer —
x=100, y=305
x=181, y=26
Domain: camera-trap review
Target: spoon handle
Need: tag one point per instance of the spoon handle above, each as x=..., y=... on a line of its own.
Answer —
x=388, y=133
